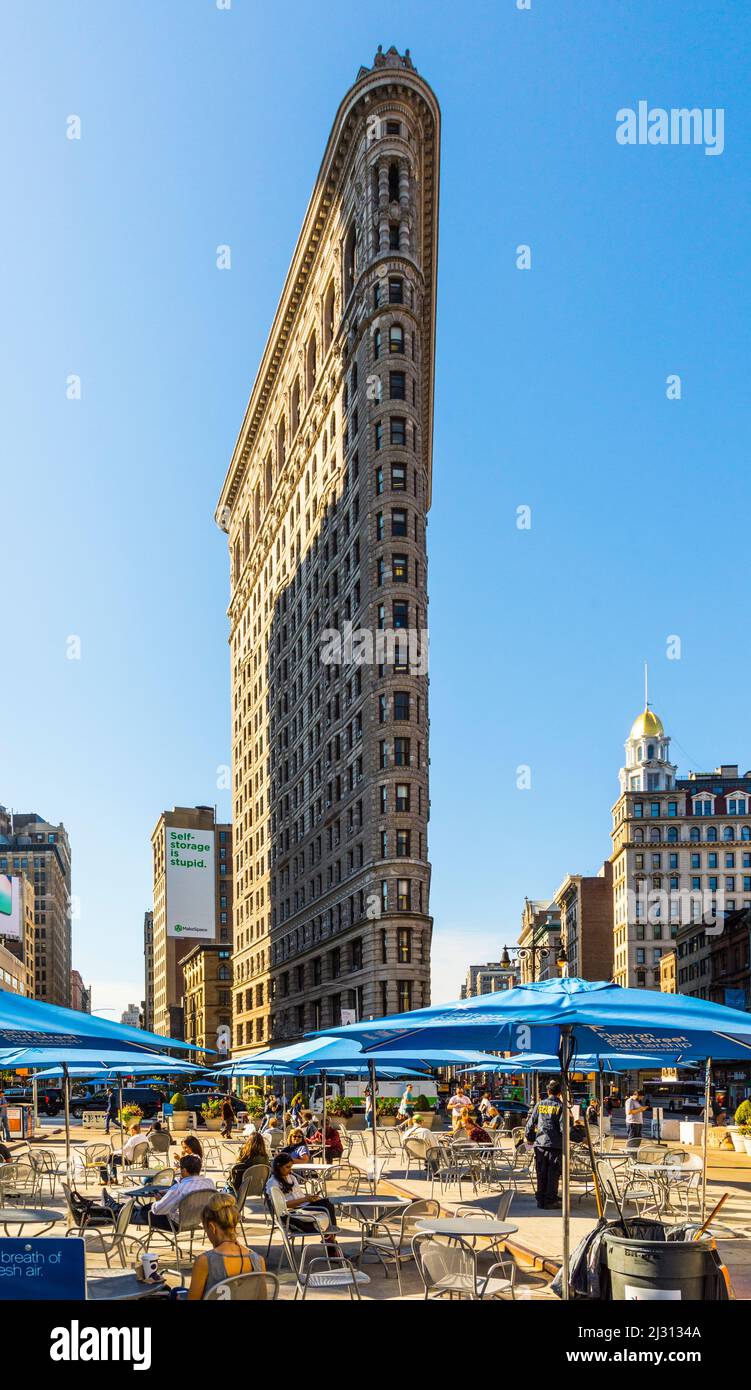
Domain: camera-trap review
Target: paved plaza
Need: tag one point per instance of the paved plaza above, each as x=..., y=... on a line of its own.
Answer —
x=535, y=1246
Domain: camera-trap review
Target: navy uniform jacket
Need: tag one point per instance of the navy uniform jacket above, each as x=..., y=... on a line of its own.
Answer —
x=545, y=1120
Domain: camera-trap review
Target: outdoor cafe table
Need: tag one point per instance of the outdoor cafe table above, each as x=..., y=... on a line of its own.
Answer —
x=30, y=1216
x=368, y=1210
x=123, y=1288
x=465, y=1226
x=149, y=1189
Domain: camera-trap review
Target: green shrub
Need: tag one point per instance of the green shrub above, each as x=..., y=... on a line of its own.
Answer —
x=388, y=1106
x=178, y=1101
x=743, y=1113
x=422, y=1103
x=340, y=1106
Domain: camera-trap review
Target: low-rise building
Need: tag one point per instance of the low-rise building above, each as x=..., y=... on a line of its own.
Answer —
x=669, y=972
x=488, y=979
x=586, y=923
x=80, y=996
x=12, y=973
x=207, y=1000
x=539, y=940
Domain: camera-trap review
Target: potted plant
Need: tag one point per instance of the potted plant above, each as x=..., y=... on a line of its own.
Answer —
x=387, y=1110
x=340, y=1106
x=180, y=1112
x=744, y=1133
x=741, y=1127
x=212, y=1112
x=130, y=1115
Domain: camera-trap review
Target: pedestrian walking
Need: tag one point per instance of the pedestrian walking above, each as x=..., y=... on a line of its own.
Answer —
x=407, y=1103
x=228, y=1118
x=4, y=1125
x=110, y=1111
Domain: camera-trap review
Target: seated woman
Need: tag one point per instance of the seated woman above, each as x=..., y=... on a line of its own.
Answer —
x=475, y=1132
x=227, y=1256
x=188, y=1145
x=296, y=1198
x=297, y=1147
x=334, y=1147
x=252, y=1155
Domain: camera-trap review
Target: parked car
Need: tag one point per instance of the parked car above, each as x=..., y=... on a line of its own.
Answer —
x=195, y=1099
x=147, y=1098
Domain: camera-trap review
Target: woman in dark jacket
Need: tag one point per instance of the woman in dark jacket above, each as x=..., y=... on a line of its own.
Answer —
x=252, y=1153
x=228, y=1118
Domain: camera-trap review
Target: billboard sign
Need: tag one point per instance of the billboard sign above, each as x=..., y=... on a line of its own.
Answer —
x=190, y=886
x=10, y=907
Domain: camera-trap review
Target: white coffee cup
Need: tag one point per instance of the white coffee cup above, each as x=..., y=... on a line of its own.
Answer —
x=150, y=1267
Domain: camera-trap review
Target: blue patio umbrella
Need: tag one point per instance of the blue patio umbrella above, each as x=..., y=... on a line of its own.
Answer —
x=338, y=1054
x=125, y=1066
x=27, y=1023
x=570, y=1016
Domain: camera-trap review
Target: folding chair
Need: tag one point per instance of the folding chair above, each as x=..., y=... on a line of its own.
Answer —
x=255, y=1285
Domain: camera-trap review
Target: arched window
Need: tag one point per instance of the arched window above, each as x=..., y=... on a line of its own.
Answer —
x=224, y=972
x=638, y=837
x=328, y=318
x=281, y=447
x=746, y=832
x=672, y=834
x=728, y=833
x=396, y=338
x=350, y=262
x=695, y=833
x=655, y=835
x=295, y=407
x=310, y=366
x=712, y=832
x=650, y=750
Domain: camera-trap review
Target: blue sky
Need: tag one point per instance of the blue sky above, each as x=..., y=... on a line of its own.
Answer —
x=201, y=127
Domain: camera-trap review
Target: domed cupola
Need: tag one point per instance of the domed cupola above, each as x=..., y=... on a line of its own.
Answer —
x=648, y=766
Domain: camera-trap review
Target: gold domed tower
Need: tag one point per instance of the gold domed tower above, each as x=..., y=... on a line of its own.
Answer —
x=648, y=766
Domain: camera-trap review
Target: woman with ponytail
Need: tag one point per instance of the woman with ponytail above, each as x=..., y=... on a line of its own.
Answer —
x=227, y=1256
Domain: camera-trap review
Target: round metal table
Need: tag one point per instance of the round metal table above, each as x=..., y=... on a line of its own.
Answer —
x=465, y=1226
x=30, y=1216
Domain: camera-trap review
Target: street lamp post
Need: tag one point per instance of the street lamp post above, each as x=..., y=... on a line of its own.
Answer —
x=533, y=953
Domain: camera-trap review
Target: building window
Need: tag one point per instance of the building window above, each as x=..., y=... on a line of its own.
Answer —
x=396, y=291
x=402, y=752
x=399, y=569
x=404, y=894
x=404, y=988
x=401, y=704
x=403, y=843
x=398, y=392
x=398, y=431
x=396, y=338
x=378, y=434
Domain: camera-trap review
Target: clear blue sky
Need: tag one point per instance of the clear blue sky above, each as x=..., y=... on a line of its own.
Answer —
x=202, y=127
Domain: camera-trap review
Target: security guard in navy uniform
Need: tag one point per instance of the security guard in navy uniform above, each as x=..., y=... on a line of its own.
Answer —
x=544, y=1130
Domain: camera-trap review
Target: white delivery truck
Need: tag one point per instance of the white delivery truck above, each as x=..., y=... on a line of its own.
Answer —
x=355, y=1090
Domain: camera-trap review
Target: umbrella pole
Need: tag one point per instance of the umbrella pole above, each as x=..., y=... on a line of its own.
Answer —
x=374, y=1114
x=120, y=1116
x=707, y=1084
x=34, y=1104
x=565, y=1055
x=66, y=1104
x=602, y=1105
x=323, y=1122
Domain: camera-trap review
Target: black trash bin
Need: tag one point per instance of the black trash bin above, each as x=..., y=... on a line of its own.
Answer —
x=654, y=1265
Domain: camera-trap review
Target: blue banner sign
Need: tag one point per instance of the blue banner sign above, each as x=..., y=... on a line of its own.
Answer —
x=42, y=1269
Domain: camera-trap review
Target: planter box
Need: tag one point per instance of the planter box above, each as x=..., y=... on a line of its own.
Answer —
x=739, y=1143
x=386, y=1121
x=183, y=1119
x=212, y=1122
x=356, y=1122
